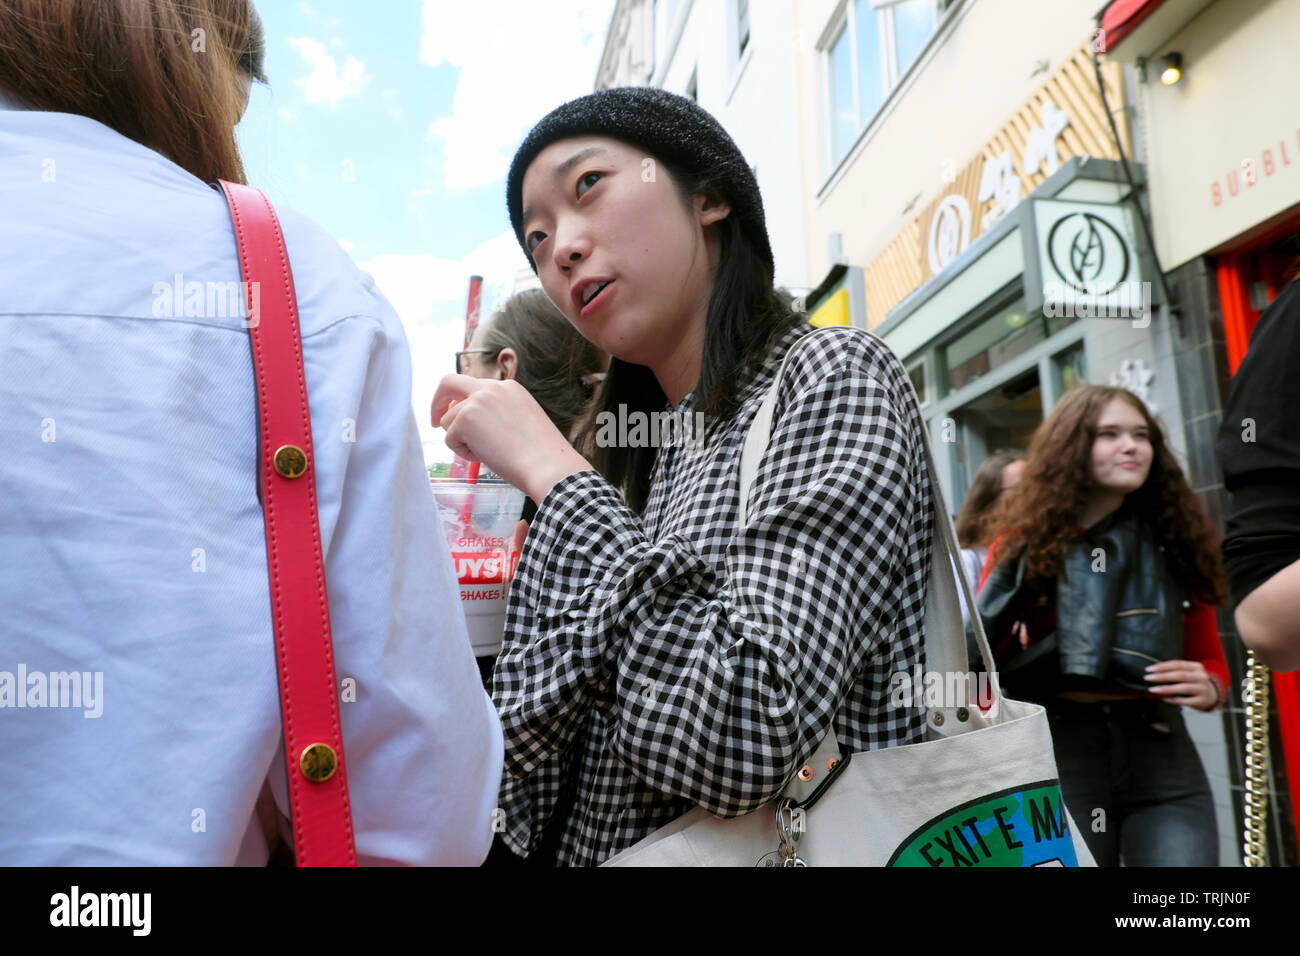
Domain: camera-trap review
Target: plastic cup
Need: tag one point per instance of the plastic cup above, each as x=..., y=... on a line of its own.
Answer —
x=479, y=521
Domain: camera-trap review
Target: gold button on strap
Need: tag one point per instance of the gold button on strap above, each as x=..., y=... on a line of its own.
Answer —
x=290, y=461
x=318, y=762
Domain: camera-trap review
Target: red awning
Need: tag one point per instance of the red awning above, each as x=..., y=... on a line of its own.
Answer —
x=1121, y=18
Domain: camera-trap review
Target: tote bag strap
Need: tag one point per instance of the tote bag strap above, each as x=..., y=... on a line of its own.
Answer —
x=304, y=653
x=945, y=643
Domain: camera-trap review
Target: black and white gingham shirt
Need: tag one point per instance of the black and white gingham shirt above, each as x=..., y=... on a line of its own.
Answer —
x=658, y=662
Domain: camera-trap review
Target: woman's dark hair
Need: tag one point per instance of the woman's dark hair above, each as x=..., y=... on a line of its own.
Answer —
x=1042, y=516
x=165, y=73
x=746, y=316
x=556, y=364
x=974, y=523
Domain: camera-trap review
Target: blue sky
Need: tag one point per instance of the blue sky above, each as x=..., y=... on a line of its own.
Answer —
x=391, y=124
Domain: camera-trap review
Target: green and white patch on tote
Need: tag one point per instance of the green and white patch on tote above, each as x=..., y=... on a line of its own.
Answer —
x=1020, y=826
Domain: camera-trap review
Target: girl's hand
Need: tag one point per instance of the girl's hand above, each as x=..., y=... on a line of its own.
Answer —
x=501, y=425
x=1185, y=683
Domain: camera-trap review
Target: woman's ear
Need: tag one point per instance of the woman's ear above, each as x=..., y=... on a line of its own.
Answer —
x=710, y=209
x=508, y=363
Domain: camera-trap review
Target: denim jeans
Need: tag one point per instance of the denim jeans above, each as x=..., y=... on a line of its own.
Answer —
x=1134, y=762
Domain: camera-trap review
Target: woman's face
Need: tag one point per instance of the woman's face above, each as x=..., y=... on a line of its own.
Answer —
x=1121, y=452
x=598, y=212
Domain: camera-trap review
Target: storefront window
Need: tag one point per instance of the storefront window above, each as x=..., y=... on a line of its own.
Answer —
x=1071, y=369
x=995, y=341
x=917, y=374
x=980, y=350
x=1006, y=416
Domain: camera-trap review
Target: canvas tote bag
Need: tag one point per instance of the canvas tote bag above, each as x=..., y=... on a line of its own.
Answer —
x=981, y=790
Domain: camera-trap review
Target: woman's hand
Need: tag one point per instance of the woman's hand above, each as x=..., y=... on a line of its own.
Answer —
x=1184, y=682
x=501, y=425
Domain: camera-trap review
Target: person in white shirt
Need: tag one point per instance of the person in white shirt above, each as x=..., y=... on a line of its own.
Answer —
x=138, y=690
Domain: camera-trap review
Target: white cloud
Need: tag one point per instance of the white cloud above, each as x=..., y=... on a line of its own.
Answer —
x=429, y=295
x=509, y=78
x=347, y=245
x=326, y=83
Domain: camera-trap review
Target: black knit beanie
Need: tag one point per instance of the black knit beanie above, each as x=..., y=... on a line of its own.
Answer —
x=670, y=127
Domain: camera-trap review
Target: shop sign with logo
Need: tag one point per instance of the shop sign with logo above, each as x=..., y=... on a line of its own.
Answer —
x=1063, y=119
x=1087, y=262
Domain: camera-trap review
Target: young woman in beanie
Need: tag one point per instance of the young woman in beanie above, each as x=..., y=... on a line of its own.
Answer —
x=659, y=655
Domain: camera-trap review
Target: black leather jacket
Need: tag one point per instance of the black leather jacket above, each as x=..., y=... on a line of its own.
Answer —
x=1118, y=609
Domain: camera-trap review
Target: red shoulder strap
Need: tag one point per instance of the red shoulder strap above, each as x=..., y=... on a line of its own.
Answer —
x=304, y=653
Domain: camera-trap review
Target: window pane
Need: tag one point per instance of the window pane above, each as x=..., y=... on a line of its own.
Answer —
x=993, y=342
x=1004, y=417
x=871, y=71
x=917, y=374
x=1071, y=369
x=843, y=126
x=913, y=24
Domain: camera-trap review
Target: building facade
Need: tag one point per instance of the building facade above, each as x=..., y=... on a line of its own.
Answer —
x=983, y=178
x=736, y=58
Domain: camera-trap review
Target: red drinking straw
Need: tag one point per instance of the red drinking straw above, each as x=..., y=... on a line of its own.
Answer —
x=467, y=509
x=472, y=304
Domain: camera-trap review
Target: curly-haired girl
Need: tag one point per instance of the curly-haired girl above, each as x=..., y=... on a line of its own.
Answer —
x=1108, y=560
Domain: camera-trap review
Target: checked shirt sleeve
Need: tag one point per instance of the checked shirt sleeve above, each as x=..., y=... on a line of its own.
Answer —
x=716, y=685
